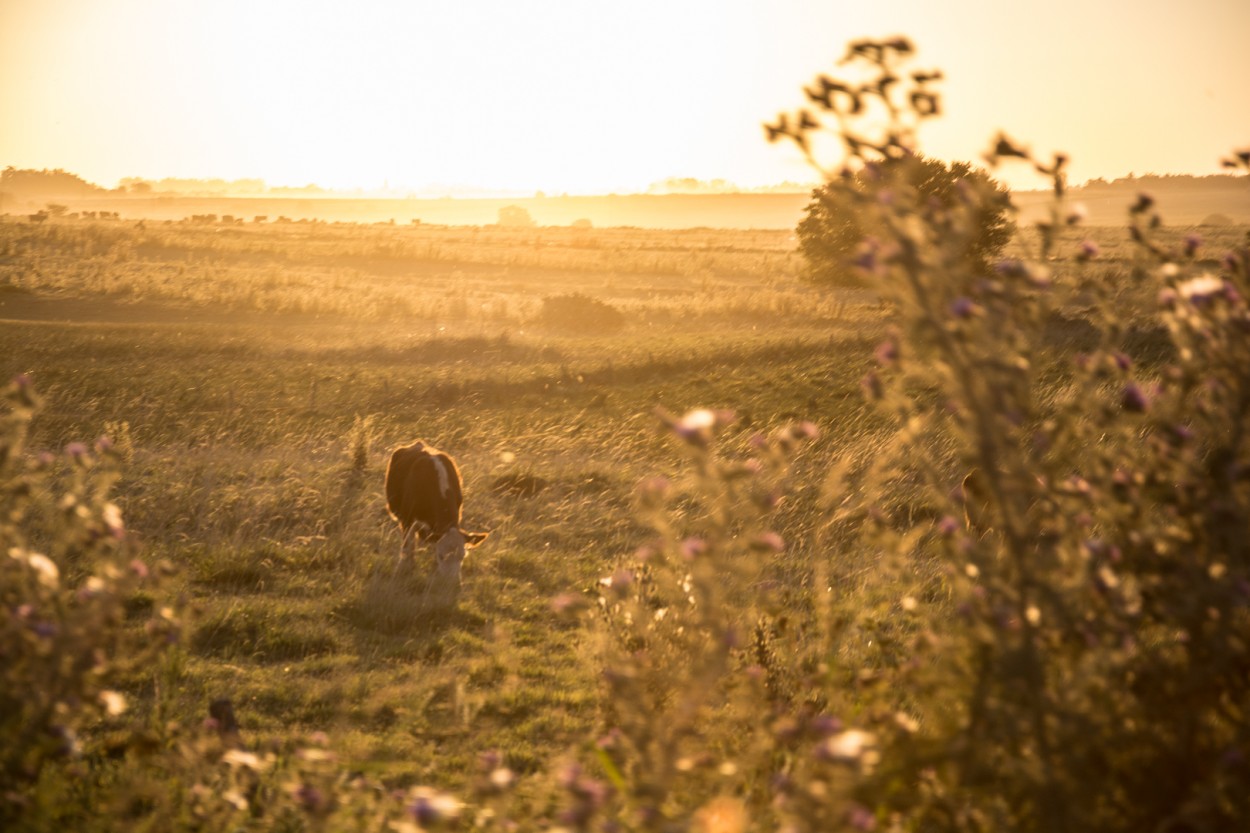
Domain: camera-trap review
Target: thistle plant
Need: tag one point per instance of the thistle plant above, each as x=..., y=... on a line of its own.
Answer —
x=1090, y=671
x=684, y=668
x=77, y=622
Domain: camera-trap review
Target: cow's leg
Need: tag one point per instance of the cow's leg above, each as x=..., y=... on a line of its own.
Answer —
x=408, y=545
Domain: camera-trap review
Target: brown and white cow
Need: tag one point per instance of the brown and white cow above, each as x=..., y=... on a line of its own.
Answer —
x=424, y=494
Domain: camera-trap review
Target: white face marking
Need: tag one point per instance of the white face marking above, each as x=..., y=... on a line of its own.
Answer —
x=444, y=481
x=449, y=553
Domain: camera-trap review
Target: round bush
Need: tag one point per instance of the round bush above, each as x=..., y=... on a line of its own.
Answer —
x=833, y=226
x=580, y=314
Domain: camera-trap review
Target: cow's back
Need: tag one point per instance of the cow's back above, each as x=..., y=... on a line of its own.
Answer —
x=423, y=486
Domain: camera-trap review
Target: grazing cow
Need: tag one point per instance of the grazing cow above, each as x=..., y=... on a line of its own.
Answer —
x=424, y=494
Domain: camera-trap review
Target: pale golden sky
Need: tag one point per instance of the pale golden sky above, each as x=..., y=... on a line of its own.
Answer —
x=586, y=96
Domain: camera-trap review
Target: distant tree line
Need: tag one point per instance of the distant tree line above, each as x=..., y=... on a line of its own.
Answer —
x=1162, y=182
x=193, y=187
x=56, y=183
x=28, y=185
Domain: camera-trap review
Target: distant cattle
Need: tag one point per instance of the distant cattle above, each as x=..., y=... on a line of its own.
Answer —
x=424, y=493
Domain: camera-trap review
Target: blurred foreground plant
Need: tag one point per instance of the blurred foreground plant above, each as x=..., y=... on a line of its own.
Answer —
x=84, y=622
x=687, y=630
x=1092, y=670
x=77, y=620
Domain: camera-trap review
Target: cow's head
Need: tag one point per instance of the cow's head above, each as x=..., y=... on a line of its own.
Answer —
x=450, y=548
x=449, y=551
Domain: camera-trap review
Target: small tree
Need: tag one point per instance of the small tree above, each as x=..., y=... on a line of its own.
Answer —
x=514, y=216
x=834, y=226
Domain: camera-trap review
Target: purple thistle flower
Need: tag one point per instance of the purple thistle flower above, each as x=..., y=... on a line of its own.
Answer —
x=887, y=352
x=1133, y=399
x=76, y=450
x=1089, y=250
x=861, y=818
x=805, y=430
x=656, y=485
x=692, y=548
x=1182, y=433
x=310, y=798
x=611, y=740
x=866, y=257
x=824, y=725
x=1010, y=268
x=588, y=795
x=1192, y=242
x=567, y=603
x=963, y=308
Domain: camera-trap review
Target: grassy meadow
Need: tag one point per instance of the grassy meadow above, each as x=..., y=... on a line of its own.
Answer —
x=258, y=377
x=255, y=378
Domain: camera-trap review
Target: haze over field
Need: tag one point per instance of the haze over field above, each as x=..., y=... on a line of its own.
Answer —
x=589, y=97
x=910, y=502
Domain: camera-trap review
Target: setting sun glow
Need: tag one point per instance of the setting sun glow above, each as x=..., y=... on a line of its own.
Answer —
x=588, y=97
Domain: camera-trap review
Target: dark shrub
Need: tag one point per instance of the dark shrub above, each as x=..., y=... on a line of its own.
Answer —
x=579, y=313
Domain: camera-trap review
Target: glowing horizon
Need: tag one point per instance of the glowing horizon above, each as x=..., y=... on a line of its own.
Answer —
x=581, y=98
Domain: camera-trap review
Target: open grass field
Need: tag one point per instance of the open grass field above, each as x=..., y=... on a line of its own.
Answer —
x=256, y=378
x=243, y=371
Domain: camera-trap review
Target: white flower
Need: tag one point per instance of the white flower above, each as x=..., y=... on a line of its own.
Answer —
x=113, y=517
x=240, y=758
x=700, y=419
x=854, y=746
x=114, y=702
x=49, y=575
x=1202, y=286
